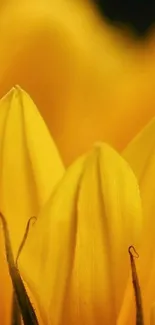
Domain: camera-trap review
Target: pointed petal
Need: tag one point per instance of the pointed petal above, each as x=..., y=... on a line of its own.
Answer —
x=78, y=247
x=30, y=167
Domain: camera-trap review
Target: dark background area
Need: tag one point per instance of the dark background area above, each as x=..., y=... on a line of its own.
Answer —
x=138, y=15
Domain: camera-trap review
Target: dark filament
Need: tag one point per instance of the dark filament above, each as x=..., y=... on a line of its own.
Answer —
x=139, y=310
x=26, y=309
x=24, y=238
x=16, y=315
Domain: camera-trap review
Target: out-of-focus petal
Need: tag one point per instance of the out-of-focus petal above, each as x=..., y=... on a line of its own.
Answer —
x=140, y=151
x=78, y=70
x=140, y=154
x=78, y=249
x=30, y=167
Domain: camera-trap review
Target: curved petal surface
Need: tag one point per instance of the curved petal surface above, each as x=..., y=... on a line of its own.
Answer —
x=78, y=248
x=30, y=168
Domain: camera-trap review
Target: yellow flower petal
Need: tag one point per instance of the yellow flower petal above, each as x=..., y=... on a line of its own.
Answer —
x=140, y=150
x=30, y=165
x=140, y=154
x=78, y=70
x=78, y=249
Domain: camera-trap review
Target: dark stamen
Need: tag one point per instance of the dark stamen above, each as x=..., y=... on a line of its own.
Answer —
x=24, y=238
x=16, y=315
x=26, y=309
x=139, y=310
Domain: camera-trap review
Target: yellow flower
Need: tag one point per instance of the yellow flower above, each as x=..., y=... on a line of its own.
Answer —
x=78, y=70
x=30, y=168
x=74, y=260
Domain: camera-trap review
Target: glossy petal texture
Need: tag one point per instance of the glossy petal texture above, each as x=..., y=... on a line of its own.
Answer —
x=30, y=167
x=140, y=154
x=78, y=70
x=75, y=260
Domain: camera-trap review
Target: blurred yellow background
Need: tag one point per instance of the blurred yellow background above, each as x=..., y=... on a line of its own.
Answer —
x=90, y=81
